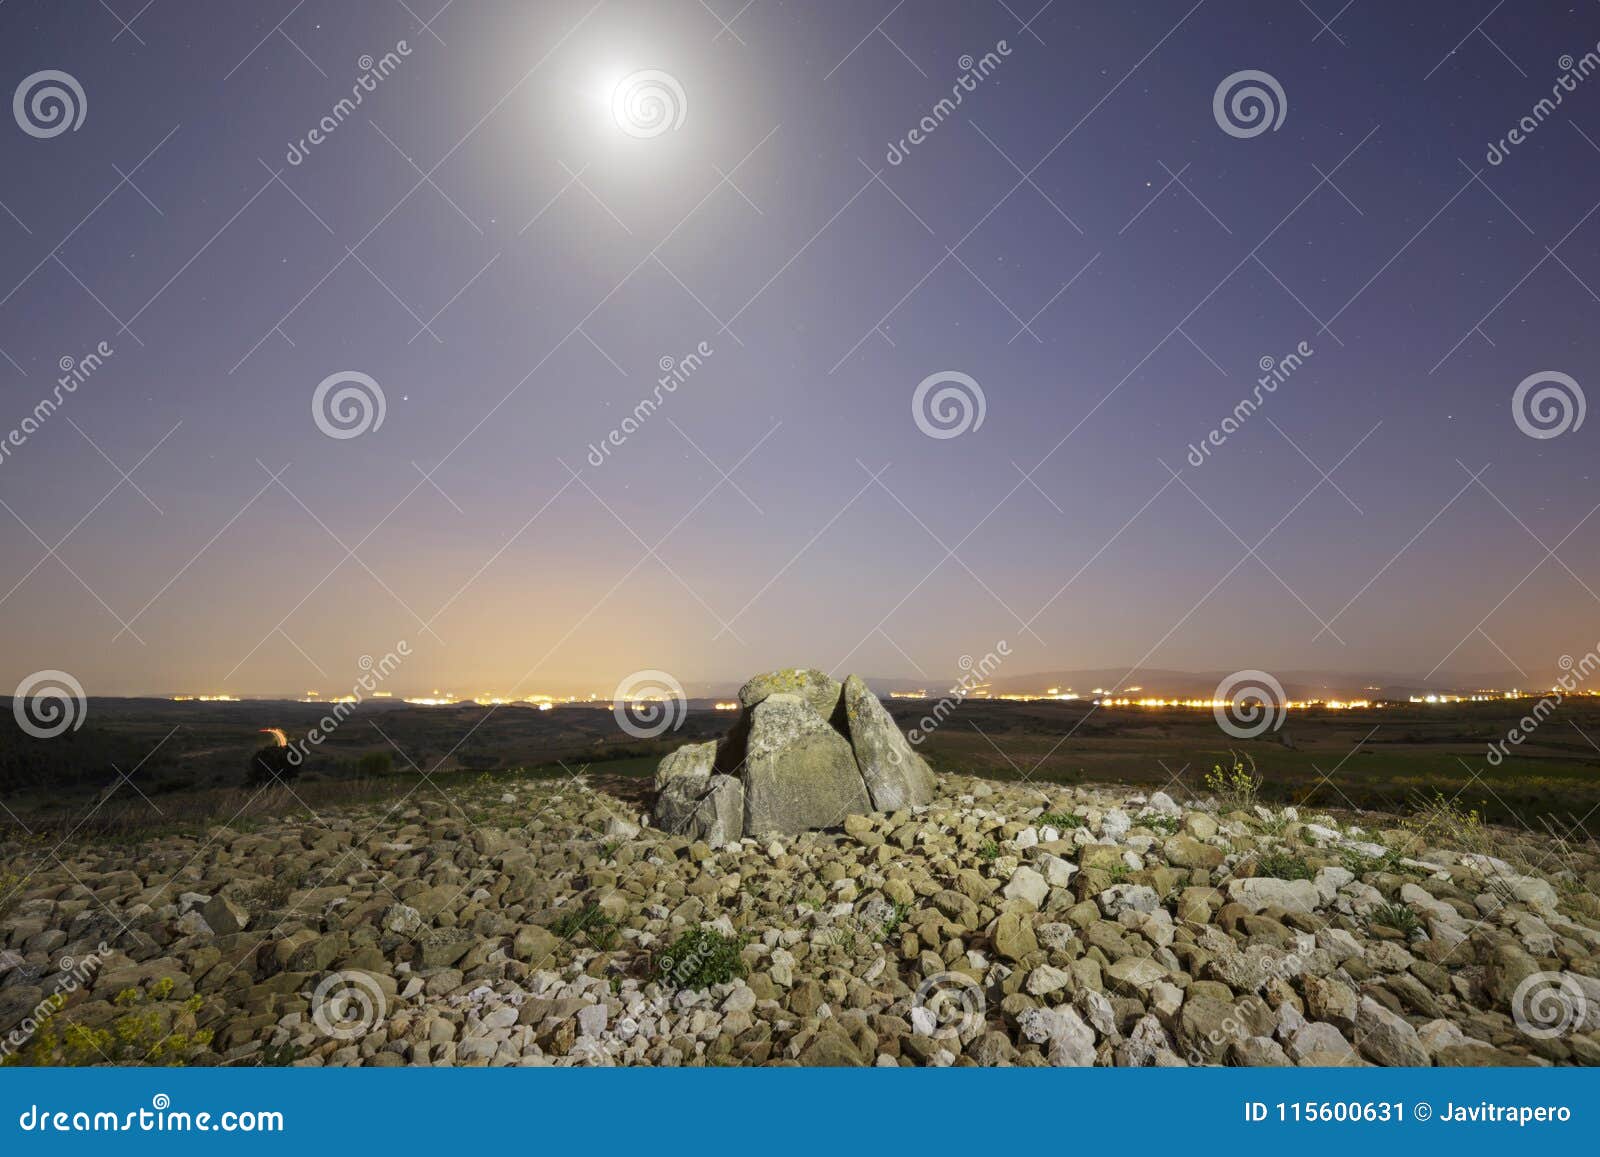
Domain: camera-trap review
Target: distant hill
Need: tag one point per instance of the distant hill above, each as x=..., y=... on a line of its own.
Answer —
x=1203, y=684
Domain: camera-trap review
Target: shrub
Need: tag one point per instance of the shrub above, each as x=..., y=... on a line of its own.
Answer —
x=700, y=958
x=145, y=1033
x=375, y=763
x=990, y=852
x=1441, y=822
x=1065, y=821
x=1237, y=786
x=271, y=765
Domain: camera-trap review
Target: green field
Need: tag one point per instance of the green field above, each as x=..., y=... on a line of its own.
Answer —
x=1379, y=759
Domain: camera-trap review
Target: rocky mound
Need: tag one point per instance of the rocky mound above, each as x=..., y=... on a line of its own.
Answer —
x=532, y=922
x=806, y=752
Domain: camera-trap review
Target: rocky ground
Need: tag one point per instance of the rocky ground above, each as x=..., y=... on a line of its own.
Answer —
x=537, y=923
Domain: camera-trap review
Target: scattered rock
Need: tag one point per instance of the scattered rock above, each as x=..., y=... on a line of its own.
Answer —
x=553, y=931
x=1385, y=1038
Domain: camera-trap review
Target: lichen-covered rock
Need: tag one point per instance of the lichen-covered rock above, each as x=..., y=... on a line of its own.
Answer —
x=800, y=773
x=896, y=776
x=691, y=759
x=806, y=753
x=820, y=690
x=680, y=798
x=719, y=817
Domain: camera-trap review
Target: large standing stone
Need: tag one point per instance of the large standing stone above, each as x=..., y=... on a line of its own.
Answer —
x=680, y=799
x=806, y=753
x=817, y=688
x=694, y=759
x=800, y=773
x=896, y=776
x=719, y=817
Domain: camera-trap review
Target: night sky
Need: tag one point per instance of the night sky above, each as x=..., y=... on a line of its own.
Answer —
x=483, y=240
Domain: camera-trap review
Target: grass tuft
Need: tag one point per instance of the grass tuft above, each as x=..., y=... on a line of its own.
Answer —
x=700, y=958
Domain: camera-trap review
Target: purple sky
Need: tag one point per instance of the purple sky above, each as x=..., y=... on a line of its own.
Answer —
x=483, y=240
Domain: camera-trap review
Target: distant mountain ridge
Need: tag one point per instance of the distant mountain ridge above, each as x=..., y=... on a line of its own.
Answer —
x=1166, y=683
